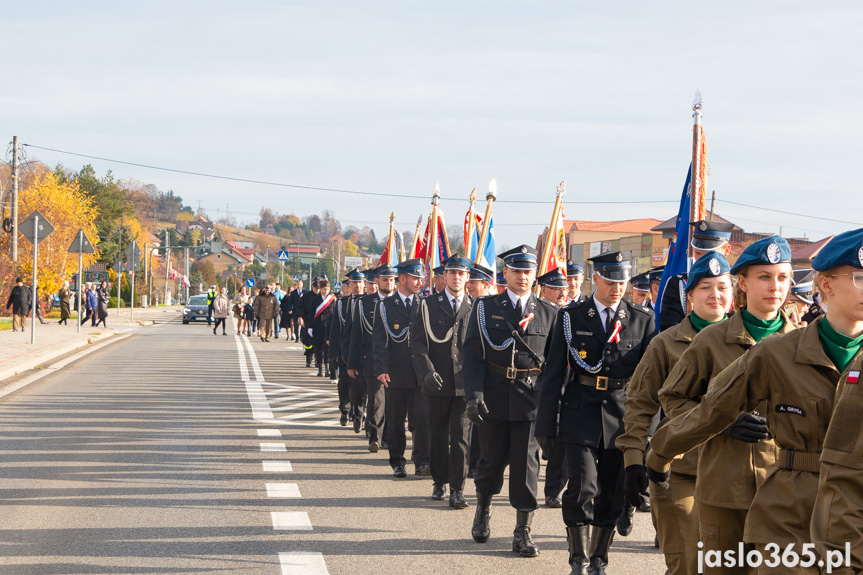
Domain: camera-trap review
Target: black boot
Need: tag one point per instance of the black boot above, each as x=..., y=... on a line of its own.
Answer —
x=624, y=523
x=481, y=530
x=320, y=372
x=579, y=544
x=600, y=543
x=308, y=361
x=522, y=542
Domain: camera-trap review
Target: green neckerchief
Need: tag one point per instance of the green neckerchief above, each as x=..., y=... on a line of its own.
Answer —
x=838, y=347
x=699, y=323
x=759, y=328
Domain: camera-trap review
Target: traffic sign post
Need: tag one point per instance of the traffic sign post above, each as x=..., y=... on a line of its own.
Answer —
x=82, y=245
x=35, y=228
x=250, y=283
x=133, y=262
x=283, y=257
x=296, y=278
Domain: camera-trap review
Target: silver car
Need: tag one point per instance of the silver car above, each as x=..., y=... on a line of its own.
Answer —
x=196, y=308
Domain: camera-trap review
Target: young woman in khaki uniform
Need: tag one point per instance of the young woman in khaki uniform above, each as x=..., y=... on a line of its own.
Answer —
x=792, y=378
x=674, y=513
x=730, y=465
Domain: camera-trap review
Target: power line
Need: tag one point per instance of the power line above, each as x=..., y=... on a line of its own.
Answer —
x=320, y=189
x=789, y=213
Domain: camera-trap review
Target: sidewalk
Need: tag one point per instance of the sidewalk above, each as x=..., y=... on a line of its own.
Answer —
x=17, y=355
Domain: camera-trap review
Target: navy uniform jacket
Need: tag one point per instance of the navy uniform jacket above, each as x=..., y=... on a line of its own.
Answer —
x=444, y=358
x=336, y=326
x=360, y=355
x=508, y=400
x=673, y=308
x=590, y=416
x=393, y=356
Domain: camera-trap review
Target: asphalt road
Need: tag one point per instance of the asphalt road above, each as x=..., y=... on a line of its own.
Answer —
x=177, y=451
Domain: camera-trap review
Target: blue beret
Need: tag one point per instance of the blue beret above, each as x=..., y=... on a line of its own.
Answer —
x=573, y=269
x=521, y=258
x=481, y=273
x=710, y=265
x=412, y=267
x=554, y=278
x=846, y=249
x=767, y=251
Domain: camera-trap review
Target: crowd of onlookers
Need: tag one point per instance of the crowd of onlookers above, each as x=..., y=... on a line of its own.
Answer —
x=94, y=299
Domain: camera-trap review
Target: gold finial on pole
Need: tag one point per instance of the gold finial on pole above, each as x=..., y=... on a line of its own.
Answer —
x=490, y=197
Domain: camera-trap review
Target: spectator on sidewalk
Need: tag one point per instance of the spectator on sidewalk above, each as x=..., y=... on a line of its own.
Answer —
x=64, y=294
x=104, y=297
x=19, y=301
x=92, y=297
x=36, y=310
x=221, y=310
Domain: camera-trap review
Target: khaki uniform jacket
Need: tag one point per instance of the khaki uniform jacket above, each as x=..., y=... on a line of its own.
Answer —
x=729, y=470
x=266, y=307
x=791, y=378
x=642, y=398
x=838, y=514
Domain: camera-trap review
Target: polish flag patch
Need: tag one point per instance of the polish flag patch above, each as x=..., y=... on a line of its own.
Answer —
x=853, y=377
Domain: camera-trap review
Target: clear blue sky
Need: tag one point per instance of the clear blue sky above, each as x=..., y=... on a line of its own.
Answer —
x=395, y=96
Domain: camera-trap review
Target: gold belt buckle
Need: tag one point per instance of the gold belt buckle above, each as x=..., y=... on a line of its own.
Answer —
x=511, y=373
x=602, y=383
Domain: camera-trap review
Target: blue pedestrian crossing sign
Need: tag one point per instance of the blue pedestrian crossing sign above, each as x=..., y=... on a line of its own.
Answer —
x=338, y=286
x=296, y=278
x=283, y=255
x=250, y=282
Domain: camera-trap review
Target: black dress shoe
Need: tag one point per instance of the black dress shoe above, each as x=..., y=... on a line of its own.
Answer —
x=423, y=471
x=384, y=445
x=374, y=447
x=624, y=523
x=554, y=502
x=357, y=424
x=343, y=420
x=438, y=492
x=399, y=471
x=471, y=473
x=457, y=500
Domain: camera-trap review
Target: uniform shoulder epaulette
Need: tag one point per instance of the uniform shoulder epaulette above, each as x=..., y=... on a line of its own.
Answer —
x=548, y=304
x=574, y=304
x=642, y=309
x=487, y=297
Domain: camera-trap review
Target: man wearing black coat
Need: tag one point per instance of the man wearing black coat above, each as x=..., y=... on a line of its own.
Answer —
x=19, y=301
x=437, y=338
x=340, y=341
x=502, y=359
x=307, y=315
x=394, y=369
x=296, y=297
x=594, y=350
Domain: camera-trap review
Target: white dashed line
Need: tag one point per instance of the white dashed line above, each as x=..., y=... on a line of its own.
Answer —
x=291, y=521
x=278, y=467
x=283, y=490
x=273, y=447
x=303, y=563
x=269, y=433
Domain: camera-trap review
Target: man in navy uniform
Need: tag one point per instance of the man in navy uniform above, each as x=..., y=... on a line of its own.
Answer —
x=353, y=282
x=437, y=339
x=654, y=277
x=481, y=284
x=706, y=237
x=503, y=357
x=361, y=354
x=594, y=349
x=394, y=370
x=574, y=279
x=640, y=289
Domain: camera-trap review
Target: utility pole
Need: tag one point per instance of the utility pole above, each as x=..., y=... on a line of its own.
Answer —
x=712, y=202
x=14, y=198
x=167, y=262
x=186, y=272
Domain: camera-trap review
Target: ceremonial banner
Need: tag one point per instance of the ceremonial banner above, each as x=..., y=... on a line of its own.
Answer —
x=677, y=252
x=557, y=254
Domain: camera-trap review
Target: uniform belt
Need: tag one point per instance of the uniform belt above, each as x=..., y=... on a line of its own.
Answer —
x=602, y=383
x=513, y=373
x=799, y=460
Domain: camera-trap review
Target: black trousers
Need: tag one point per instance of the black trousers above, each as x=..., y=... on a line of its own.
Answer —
x=358, y=391
x=209, y=315
x=375, y=409
x=449, y=440
x=594, y=495
x=475, y=444
x=399, y=401
x=556, y=472
x=221, y=321
x=344, y=388
x=322, y=355
x=509, y=443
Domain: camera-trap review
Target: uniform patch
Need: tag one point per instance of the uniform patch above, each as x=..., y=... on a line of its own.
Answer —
x=591, y=312
x=785, y=408
x=622, y=313
x=395, y=326
x=773, y=254
x=860, y=256
x=714, y=266
x=584, y=333
x=853, y=377
x=582, y=354
x=500, y=317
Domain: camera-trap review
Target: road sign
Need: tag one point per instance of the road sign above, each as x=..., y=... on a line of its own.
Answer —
x=133, y=257
x=296, y=278
x=283, y=256
x=84, y=247
x=28, y=227
x=250, y=283
x=338, y=286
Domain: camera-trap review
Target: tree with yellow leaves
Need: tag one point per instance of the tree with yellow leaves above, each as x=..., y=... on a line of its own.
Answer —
x=66, y=208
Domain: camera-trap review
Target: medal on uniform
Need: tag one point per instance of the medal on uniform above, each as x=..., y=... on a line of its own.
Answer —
x=622, y=314
x=395, y=326
x=591, y=313
x=582, y=354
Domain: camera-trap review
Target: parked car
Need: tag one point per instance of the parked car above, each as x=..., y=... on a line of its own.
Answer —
x=196, y=308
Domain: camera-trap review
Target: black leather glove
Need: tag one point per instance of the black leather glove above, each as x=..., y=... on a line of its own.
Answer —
x=546, y=444
x=635, y=485
x=476, y=408
x=748, y=428
x=658, y=477
x=432, y=382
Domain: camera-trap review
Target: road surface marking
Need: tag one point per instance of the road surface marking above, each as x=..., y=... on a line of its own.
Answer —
x=303, y=563
x=273, y=447
x=269, y=433
x=244, y=371
x=278, y=466
x=283, y=490
x=309, y=414
x=291, y=521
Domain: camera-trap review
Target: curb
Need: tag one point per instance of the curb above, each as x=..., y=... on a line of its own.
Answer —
x=53, y=353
